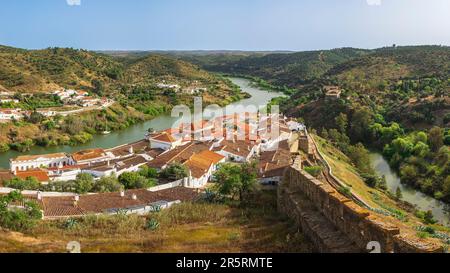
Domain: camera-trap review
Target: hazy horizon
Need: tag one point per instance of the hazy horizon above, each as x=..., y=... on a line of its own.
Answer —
x=214, y=25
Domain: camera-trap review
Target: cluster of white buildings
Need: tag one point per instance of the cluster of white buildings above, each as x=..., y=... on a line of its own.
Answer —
x=192, y=89
x=201, y=147
x=80, y=98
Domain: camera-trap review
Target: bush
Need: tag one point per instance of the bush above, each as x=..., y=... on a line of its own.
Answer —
x=152, y=224
x=136, y=181
x=4, y=147
x=108, y=184
x=30, y=183
x=175, y=172
x=18, y=219
x=314, y=170
x=84, y=183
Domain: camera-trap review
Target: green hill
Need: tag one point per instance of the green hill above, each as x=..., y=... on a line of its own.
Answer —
x=282, y=69
x=45, y=70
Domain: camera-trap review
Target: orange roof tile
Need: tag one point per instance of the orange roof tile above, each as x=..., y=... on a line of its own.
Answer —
x=88, y=154
x=39, y=174
x=164, y=137
x=34, y=157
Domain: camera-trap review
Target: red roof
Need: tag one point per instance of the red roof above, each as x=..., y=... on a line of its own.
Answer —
x=39, y=174
x=164, y=137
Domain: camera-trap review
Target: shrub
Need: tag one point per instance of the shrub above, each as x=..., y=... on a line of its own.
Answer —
x=84, y=183
x=15, y=218
x=108, y=184
x=175, y=172
x=136, y=181
x=152, y=224
x=4, y=147
x=30, y=183
x=314, y=170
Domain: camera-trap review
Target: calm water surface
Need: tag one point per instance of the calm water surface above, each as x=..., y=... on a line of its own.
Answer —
x=422, y=201
x=137, y=131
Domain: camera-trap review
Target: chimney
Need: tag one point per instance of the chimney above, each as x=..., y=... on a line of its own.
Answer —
x=122, y=193
x=76, y=199
x=134, y=197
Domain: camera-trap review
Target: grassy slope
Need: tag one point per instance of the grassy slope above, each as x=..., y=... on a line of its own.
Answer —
x=184, y=228
x=343, y=169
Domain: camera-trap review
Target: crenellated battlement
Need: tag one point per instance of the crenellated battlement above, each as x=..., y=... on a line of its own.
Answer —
x=300, y=195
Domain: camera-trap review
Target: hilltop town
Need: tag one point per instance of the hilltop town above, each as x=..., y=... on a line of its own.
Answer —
x=200, y=147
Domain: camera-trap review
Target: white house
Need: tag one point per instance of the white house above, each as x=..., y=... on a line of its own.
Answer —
x=168, y=86
x=91, y=156
x=237, y=150
x=29, y=162
x=164, y=141
x=201, y=167
x=9, y=114
x=9, y=100
x=66, y=173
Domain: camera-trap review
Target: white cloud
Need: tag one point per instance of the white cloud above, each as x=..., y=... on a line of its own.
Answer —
x=374, y=2
x=73, y=2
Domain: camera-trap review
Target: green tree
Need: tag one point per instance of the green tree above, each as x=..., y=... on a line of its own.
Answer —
x=30, y=183
x=35, y=117
x=108, y=184
x=98, y=88
x=236, y=180
x=15, y=218
x=342, y=123
x=4, y=147
x=429, y=218
x=133, y=180
x=436, y=138
x=84, y=183
x=175, y=171
x=148, y=172
x=446, y=188
x=398, y=193
x=361, y=120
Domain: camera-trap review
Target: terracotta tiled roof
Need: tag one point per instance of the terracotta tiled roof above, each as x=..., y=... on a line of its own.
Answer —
x=55, y=207
x=130, y=162
x=39, y=174
x=125, y=150
x=5, y=175
x=154, y=152
x=34, y=157
x=164, y=137
x=199, y=164
x=237, y=147
x=88, y=154
x=179, y=154
x=273, y=163
x=210, y=156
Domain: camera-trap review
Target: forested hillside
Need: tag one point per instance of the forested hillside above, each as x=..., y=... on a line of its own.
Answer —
x=131, y=81
x=394, y=100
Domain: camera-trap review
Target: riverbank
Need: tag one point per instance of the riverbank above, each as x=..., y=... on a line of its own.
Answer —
x=421, y=201
x=137, y=131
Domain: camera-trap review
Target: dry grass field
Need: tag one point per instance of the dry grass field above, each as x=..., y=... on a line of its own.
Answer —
x=191, y=227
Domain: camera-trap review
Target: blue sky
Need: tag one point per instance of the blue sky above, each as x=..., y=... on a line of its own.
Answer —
x=223, y=24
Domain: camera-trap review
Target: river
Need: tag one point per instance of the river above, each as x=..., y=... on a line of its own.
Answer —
x=422, y=201
x=136, y=132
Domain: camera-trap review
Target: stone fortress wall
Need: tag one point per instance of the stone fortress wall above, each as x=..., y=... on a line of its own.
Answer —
x=335, y=223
